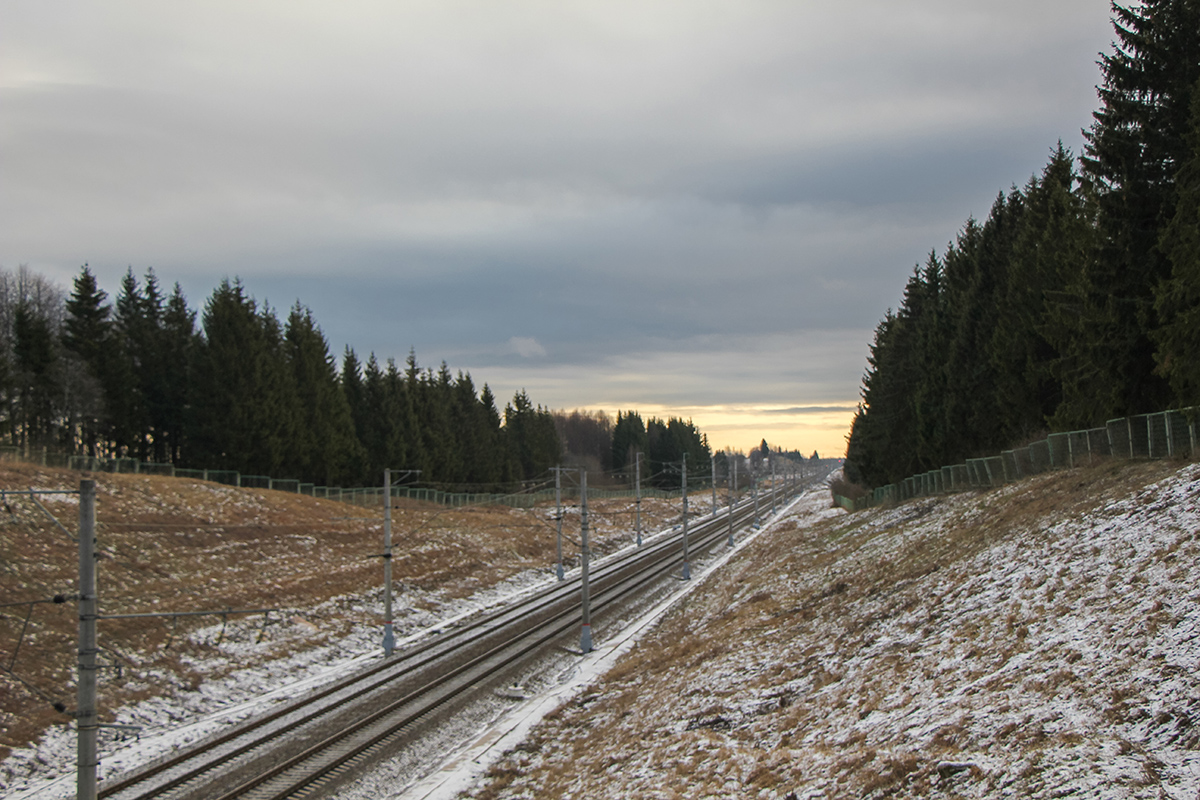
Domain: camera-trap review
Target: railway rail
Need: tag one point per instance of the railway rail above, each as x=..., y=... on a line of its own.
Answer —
x=312, y=743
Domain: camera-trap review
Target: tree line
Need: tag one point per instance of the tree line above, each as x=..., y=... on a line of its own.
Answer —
x=240, y=389
x=1076, y=300
x=606, y=447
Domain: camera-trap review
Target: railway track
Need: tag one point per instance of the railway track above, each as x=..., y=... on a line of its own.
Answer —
x=310, y=744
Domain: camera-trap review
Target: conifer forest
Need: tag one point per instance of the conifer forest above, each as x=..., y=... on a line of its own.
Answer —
x=236, y=388
x=1077, y=299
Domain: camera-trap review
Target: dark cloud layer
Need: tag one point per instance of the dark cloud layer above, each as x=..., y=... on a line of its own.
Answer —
x=539, y=186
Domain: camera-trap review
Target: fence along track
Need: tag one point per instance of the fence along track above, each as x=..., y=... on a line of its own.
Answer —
x=1167, y=434
x=454, y=660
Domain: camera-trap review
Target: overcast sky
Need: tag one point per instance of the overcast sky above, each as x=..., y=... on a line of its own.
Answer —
x=695, y=208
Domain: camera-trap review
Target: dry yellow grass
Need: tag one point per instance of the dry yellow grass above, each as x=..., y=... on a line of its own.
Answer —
x=705, y=706
x=173, y=544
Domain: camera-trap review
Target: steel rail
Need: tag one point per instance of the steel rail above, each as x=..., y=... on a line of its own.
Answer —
x=303, y=770
x=407, y=660
x=470, y=645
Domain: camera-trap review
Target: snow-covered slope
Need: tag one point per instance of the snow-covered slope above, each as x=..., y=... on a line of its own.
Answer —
x=1035, y=641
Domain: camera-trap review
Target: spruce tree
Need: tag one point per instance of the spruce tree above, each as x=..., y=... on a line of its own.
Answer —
x=37, y=379
x=1178, y=297
x=244, y=412
x=87, y=334
x=326, y=450
x=1135, y=147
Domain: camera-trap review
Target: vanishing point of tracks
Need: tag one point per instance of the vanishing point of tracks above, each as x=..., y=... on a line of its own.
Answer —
x=310, y=744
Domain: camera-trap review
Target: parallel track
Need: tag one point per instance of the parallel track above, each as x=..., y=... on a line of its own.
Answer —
x=296, y=750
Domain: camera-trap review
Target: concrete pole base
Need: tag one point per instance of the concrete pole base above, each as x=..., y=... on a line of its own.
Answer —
x=559, y=570
x=389, y=639
x=585, y=639
x=687, y=572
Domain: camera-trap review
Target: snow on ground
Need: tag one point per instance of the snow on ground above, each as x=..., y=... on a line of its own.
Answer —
x=1036, y=641
x=173, y=721
x=46, y=770
x=1041, y=640
x=482, y=747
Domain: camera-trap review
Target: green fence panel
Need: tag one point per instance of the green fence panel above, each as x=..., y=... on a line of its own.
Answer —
x=1118, y=437
x=148, y=468
x=1178, y=440
x=974, y=477
x=1024, y=459
x=1099, y=443
x=1139, y=436
x=1011, y=472
x=285, y=485
x=1039, y=457
x=229, y=477
x=255, y=482
x=1156, y=436
x=994, y=465
x=1079, y=450
x=1060, y=451
x=86, y=464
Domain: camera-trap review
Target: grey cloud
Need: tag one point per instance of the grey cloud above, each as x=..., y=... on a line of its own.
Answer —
x=614, y=183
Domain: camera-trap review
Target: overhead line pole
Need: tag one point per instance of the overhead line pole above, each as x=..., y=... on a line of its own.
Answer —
x=774, y=490
x=87, y=758
x=687, y=574
x=585, y=636
x=638, y=479
x=713, y=463
x=732, y=496
x=389, y=636
x=754, y=492
x=559, y=516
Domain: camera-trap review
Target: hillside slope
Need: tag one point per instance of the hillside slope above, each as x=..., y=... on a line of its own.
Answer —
x=1039, y=640
x=174, y=544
